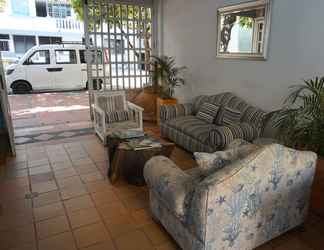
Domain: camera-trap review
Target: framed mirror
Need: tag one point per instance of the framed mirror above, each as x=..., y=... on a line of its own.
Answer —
x=243, y=30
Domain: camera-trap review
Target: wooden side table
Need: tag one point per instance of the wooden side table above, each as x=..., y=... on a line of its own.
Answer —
x=125, y=161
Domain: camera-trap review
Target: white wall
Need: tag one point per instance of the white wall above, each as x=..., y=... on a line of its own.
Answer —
x=296, y=50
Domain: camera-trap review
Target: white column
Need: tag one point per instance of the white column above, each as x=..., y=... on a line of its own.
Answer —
x=11, y=43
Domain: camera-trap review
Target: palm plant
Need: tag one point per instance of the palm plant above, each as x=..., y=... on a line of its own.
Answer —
x=300, y=122
x=166, y=74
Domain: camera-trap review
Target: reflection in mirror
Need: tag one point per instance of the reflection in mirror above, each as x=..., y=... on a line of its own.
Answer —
x=243, y=30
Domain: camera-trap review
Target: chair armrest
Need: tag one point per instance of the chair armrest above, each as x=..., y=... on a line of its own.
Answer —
x=169, y=112
x=134, y=107
x=99, y=115
x=168, y=182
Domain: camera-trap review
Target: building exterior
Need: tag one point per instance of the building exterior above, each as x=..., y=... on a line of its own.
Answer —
x=26, y=23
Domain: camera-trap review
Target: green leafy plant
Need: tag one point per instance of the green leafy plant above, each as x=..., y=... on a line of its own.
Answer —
x=300, y=122
x=166, y=74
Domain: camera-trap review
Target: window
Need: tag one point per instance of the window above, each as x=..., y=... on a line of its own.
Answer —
x=65, y=57
x=60, y=10
x=4, y=36
x=23, y=43
x=93, y=58
x=4, y=45
x=39, y=57
x=20, y=7
x=127, y=48
x=49, y=40
x=41, y=8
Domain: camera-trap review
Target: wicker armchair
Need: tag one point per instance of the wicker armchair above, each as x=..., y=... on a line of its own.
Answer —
x=112, y=112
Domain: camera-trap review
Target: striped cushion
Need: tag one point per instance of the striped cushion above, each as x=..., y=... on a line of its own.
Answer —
x=119, y=116
x=169, y=112
x=228, y=116
x=208, y=112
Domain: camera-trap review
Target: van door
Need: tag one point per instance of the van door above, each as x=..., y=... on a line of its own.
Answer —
x=69, y=77
x=39, y=70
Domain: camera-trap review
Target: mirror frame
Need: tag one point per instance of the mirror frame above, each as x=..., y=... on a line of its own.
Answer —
x=243, y=6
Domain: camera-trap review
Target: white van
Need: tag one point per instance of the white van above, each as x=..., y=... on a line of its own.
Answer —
x=49, y=67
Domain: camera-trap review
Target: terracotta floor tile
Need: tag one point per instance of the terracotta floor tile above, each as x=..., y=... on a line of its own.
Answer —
x=17, y=238
x=98, y=186
x=93, y=176
x=46, y=199
x=86, y=169
x=14, y=173
x=64, y=173
x=25, y=246
x=61, y=165
x=49, y=211
x=64, y=241
x=40, y=170
x=44, y=187
x=91, y=234
x=83, y=161
x=38, y=178
x=14, y=220
x=142, y=217
x=52, y=226
x=78, y=203
x=127, y=241
x=170, y=245
x=156, y=233
x=104, y=197
x=136, y=202
x=112, y=210
x=69, y=181
x=38, y=163
x=294, y=244
x=120, y=225
x=84, y=217
x=16, y=206
x=107, y=245
x=73, y=191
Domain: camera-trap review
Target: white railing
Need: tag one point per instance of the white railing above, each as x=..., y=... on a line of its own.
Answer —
x=68, y=24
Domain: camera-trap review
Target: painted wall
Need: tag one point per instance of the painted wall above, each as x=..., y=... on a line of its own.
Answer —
x=296, y=50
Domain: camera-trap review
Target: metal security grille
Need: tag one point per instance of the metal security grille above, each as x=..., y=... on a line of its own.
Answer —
x=120, y=41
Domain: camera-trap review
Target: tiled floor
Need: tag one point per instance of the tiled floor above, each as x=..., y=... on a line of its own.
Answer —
x=46, y=116
x=55, y=196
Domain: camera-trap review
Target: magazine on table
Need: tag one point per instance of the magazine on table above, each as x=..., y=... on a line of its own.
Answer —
x=128, y=134
x=144, y=143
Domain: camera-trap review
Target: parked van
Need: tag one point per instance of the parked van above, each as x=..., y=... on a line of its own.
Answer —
x=49, y=67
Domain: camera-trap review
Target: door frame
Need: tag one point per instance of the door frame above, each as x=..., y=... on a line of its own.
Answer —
x=5, y=106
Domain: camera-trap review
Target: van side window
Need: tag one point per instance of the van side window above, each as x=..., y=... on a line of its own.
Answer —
x=82, y=56
x=39, y=57
x=65, y=57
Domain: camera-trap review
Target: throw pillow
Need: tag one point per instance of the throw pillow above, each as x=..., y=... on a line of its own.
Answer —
x=228, y=116
x=208, y=112
x=119, y=116
x=210, y=162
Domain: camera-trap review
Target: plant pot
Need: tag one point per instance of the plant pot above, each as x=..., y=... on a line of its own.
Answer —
x=317, y=198
x=160, y=102
x=146, y=99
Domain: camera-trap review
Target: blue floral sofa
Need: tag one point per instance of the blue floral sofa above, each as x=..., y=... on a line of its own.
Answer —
x=180, y=124
x=253, y=199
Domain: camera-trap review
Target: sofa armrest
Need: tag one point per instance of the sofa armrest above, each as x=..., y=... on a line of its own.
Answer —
x=168, y=182
x=169, y=112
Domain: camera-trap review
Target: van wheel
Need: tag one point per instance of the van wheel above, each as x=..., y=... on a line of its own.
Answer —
x=21, y=87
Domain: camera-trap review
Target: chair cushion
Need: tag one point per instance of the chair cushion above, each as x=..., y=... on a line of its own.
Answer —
x=208, y=112
x=193, y=127
x=228, y=116
x=214, y=161
x=119, y=116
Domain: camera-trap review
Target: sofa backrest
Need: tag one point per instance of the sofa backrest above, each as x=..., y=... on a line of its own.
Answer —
x=250, y=114
x=272, y=182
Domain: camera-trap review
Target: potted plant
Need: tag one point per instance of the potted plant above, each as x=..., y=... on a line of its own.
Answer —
x=300, y=124
x=166, y=76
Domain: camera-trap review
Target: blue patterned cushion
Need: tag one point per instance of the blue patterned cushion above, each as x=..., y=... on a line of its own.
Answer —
x=119, y=116
x=208, y=112
x=228, y=116
x=219, y=159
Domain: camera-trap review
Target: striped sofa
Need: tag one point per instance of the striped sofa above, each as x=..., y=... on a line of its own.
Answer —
x=180, y=124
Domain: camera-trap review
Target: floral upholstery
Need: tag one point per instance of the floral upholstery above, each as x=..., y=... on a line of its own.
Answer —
x=241, y=206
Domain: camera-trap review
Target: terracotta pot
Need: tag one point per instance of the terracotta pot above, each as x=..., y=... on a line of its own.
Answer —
x=160, y=102
x=146, y=99
x=317, y=199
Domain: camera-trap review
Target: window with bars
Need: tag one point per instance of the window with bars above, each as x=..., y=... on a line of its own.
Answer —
x=123, y=31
